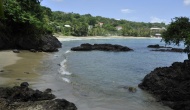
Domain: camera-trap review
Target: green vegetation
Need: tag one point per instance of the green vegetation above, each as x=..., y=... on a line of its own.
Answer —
x=28, y=17
x=25, y=17
x=179, y=30
x=88, y=25
x=1, y=9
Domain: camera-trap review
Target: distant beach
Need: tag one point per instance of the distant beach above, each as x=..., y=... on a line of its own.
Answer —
x=68, y=38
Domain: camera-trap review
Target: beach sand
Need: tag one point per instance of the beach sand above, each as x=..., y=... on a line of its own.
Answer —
x=19, y=67
x=69, y=38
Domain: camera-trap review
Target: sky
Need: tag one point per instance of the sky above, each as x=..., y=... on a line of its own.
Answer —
x=132, y=10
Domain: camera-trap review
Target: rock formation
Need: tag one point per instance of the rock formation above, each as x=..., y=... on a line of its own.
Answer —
x=165, y=49
x=102, y=47
x=24, y=98
x=170, y=85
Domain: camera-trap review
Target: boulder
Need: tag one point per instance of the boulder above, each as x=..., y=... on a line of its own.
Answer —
x=170, y=85
x=49, y=43
x=101, y=47
x=24, y=98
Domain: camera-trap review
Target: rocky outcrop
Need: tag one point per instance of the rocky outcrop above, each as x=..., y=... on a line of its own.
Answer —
x=23, y=98
x=102, y=47
x=165, y=49
x=170, y=85
x=154, y=46
x=157, y=46
x=170, y=50
x=25, y=41
x=46, y=43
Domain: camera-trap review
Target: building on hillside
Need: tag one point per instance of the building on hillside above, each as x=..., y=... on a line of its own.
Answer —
x=119, y=27
x=156, y=32
x=67, y=26
x=100, y=24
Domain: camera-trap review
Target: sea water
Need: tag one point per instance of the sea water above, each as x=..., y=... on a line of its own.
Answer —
x=99, y=80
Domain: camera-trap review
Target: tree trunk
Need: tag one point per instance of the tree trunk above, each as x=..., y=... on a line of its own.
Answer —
x=188, y=56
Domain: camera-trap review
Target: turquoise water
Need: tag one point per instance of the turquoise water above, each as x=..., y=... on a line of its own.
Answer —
x=99, y=79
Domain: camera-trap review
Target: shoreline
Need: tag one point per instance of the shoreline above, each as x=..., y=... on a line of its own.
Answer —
x=7, y=57
x=70, y=38
x=19, y=67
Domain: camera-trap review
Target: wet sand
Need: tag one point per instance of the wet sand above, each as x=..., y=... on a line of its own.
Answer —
x=18, y=67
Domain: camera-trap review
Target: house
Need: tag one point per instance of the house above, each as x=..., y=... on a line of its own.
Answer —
x=67, y=26
x=156, y=32
x=100, y=24
x=119, y=27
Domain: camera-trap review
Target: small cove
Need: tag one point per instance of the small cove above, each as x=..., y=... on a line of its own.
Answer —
x=96, y=80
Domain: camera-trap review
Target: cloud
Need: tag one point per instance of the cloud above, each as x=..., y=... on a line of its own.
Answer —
x=186, y=2
x=127, y=11
x=157, y=20
x=57, y=0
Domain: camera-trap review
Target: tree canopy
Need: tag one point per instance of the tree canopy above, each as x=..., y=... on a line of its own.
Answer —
x=91, y=25
x=177, y=31
x=29, y=14
x=26, y=17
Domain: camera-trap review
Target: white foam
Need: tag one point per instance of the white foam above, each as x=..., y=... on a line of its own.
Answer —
x=55, y=55
x=62, y=69
x=68, y=51
x=66, y=80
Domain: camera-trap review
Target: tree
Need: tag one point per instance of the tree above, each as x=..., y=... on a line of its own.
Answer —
x=1, y=9
x=177, y=31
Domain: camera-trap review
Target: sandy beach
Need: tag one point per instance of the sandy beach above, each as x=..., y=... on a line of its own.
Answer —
x=69, y=38
x=19, y=67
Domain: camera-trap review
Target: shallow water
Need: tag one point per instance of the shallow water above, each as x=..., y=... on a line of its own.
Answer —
x=94, y=80
x=97, y=80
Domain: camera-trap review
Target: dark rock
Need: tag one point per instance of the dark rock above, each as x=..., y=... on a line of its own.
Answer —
x=129, y=88
x=24, y=84
x=157, y=46
x=48, y=90
x=102, y=47
x=132, y=89
x=16, y=51
x=170, y=85
x=177, y=50
x=83, y=47
x=27, y=72
x=18, y=79
x=170, y=50
x=1, y=71
x=154, y=46
x=33, y=50
x=29, y=99
x=46, y=43
x=50, y=43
